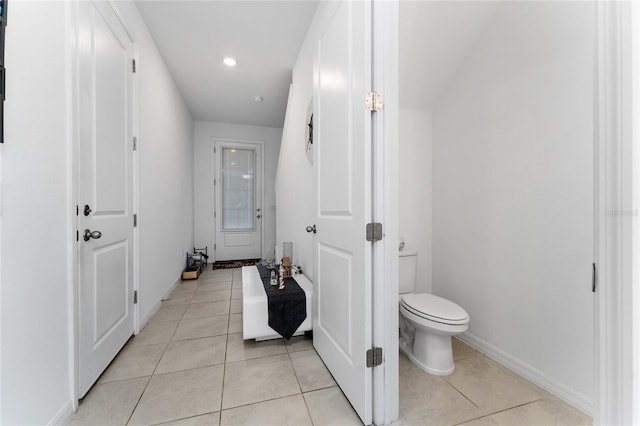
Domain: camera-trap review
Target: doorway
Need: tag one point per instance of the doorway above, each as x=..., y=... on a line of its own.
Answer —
x=105, y=189
x=238, y=208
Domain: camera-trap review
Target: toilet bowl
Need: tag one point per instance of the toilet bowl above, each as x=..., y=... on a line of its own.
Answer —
x=427, y=322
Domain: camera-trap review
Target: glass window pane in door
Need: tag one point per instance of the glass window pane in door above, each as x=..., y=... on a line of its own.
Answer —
x=238, y=185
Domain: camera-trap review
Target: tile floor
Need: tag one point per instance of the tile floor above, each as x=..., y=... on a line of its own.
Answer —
x=190, y=366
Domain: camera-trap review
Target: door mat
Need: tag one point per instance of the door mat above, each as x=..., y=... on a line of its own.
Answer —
x=228, y=264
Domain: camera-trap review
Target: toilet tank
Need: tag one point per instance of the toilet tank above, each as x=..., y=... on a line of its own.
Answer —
x=407, y=266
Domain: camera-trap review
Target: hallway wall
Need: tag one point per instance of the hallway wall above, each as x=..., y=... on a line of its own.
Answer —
x=513, y=192
x=38, y=229
x=35, y=350
x=203, y=171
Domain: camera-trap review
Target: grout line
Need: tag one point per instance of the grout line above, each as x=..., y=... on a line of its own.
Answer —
x=461, y=393
x=499, y=411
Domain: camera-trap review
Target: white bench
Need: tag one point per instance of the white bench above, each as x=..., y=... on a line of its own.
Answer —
x=255, y=312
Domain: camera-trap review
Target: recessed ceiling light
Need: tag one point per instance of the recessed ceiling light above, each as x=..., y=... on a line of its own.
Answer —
x=258, y=99
x=229, y=61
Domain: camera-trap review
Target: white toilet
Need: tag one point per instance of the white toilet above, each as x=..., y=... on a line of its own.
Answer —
x=427, y=322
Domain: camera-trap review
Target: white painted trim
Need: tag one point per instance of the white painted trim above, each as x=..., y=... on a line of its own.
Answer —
x=156, y=306
x=386, y=183
x=217, y=141
x=616, y=214
x=62, y=416
x=577, y=399
x=72, y=197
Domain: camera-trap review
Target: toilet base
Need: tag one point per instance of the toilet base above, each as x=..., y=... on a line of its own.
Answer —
x=431, y=352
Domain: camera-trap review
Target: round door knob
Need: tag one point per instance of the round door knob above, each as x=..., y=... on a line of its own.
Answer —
x=88, y=235
x=311, y=229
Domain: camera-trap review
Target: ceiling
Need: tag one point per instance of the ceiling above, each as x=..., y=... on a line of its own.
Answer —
x=263, y=36
x=435, y=39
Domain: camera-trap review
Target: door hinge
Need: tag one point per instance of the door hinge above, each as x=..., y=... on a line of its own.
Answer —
x=133, y=68
x=135, y=220
x=214, y=149
x=135, y=143
x=135, y=297
x=374, y=101
x=77, y=235
x=214, y=246
x=77, y=210
x=374, y=232
x=594, y=277
x=374, y=357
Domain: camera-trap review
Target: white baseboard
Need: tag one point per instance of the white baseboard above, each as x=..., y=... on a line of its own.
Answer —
x=551, y=385
x=156, y=306
x=63, y=415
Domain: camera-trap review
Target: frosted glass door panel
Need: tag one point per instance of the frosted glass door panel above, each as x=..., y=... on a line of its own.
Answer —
x=238, y=189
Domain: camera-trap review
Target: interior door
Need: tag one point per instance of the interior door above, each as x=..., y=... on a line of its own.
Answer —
x=342, y=166
x=105, y=196
x=238, y=212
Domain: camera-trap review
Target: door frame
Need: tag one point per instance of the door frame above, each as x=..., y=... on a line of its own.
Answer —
x=616, y=211
x=616, y=218
x=73, y=125
x=216, y=177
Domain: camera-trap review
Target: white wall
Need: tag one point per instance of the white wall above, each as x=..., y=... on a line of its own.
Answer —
x=165, y=152
x=512, y=189
x=204, y=134
x=415, y=196
x=37, y=206
x=36, y=217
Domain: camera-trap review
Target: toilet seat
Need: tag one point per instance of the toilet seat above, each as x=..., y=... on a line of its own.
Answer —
x=434, y=308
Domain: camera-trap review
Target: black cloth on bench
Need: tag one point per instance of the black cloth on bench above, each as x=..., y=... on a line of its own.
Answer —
x=287, y=307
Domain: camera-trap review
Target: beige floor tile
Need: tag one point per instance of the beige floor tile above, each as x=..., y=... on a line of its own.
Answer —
x=278, y=412
x=405, y=364
x=207, y=309
x=214, y=286
x=491, y=386
x=179, y=298
x=186, y=285
x=220, y=275
x=212, y=419
x=182, y=291
x=134, y=361
x=330, y=407
x=461, y=350
x=547, y=412
x=238, y=349
x=299, y=343
x=257, y=380
x=194, y=328
x=181, y=394
x=155, y=332
x=211, y=296
x=235, y=323
x=187, y=354
x=170, y=312
x=236, y=306
x=109, y=403
x=311, y=372
x=430, y=400
x=236, y=293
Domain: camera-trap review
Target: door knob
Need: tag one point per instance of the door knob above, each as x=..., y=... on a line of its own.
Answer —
x=88, y=235
x=87, y=210
x=311, y=229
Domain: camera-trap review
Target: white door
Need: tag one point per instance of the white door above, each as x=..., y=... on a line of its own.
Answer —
x=342, y=166
x=238, y=207
x=105, y=182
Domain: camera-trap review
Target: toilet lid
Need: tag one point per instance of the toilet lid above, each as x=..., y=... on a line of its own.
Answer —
x=435, y=307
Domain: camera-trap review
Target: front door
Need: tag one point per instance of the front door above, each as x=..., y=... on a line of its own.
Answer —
x=105, y=183
x=238, y=206
x=342, y=166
